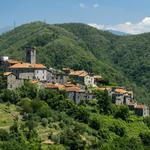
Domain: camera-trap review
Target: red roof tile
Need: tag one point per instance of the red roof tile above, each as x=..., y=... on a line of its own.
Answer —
x=80, y=73
x=27, y=65
x=7, y=73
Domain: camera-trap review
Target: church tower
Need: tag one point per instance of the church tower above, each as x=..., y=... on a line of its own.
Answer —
x=31, y=55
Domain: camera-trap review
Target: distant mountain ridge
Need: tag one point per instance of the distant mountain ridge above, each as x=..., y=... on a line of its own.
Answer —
x=118, y=32
x=121, y=59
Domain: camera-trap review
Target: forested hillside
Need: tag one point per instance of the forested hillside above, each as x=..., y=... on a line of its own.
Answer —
x=121, y=59
x=41, y=119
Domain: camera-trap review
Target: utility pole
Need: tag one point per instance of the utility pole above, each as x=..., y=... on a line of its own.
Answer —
x=14, y=24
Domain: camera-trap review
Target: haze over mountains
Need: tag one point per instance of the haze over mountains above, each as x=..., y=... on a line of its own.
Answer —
x=121, y=59
x=118, y=32
x=5, y=29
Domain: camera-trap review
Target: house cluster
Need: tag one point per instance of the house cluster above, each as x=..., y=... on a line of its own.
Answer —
x=121, y=96
x=78, y=84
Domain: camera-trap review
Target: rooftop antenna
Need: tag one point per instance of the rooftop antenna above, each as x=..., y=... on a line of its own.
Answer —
x=14, y=24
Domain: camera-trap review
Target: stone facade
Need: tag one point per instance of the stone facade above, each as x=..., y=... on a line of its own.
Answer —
x=11, y=81
x=89, y=81
x=55, y=76
x=31, y=55
x=141, y=110
x=82, y=77
x=29, y=71
x=40, y=74
x=76, y=96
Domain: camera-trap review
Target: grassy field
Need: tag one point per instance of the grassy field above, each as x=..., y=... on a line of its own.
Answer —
x=7, y=115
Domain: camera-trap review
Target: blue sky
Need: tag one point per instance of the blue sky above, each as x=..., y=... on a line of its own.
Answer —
x=124, y=15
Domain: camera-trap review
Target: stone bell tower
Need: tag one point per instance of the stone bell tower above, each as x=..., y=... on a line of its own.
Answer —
x=31, y=55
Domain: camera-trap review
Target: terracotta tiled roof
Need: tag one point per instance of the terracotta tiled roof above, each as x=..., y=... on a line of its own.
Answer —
x=27, y=65
x=7, y=73
x=140, y=106
x=120, y=90
x=54, y=86
x=38, y=66
x=11, y=61
x=79, y=73
x=67, y=88
x=132, y=103
x=83, y=74
x=34, y=81
x=103, y=88
x=73, y=89
x=69, y=85
x=50, y=86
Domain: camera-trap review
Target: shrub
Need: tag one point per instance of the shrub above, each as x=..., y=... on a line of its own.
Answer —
x=104, y=134
x=146, y=120
x=26, y=104
x=122, y=113
x=44, y=122
x=4, y=135
x=118, y=130
x=95, y=123
x=145, y=137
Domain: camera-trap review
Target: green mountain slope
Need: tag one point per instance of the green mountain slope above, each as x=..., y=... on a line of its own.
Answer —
x=84, y=47
x=128, y=54
x=56, y=47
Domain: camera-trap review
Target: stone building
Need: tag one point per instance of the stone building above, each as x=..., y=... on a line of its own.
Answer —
x=11, y=81
x=56, y=76
x=141, y=110
x=82, y=77
x=31, y=55
x=73, y=92
x=5, y=63
x=121, y=96
x=29, y=71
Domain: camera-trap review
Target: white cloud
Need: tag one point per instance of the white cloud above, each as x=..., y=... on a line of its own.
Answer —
x=96, y=5
x=128, y=27
x=82, y=5
x=100, y=27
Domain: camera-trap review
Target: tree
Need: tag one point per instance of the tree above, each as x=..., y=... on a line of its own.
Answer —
x=118, y=129
x=146, y=120
x=44, y=122
x=79, y=113
x=11, y=96
x=26, y=104
x=72, y=139
x=104, y=102
x=95, y=123
x=122, y=113
x=4, y=135
x=3, y=82
x=28, y=90
x=41, y=108
x=125, y=143
x=145, y=137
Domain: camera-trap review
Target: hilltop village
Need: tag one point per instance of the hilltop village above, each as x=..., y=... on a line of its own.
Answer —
x=78, y=84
